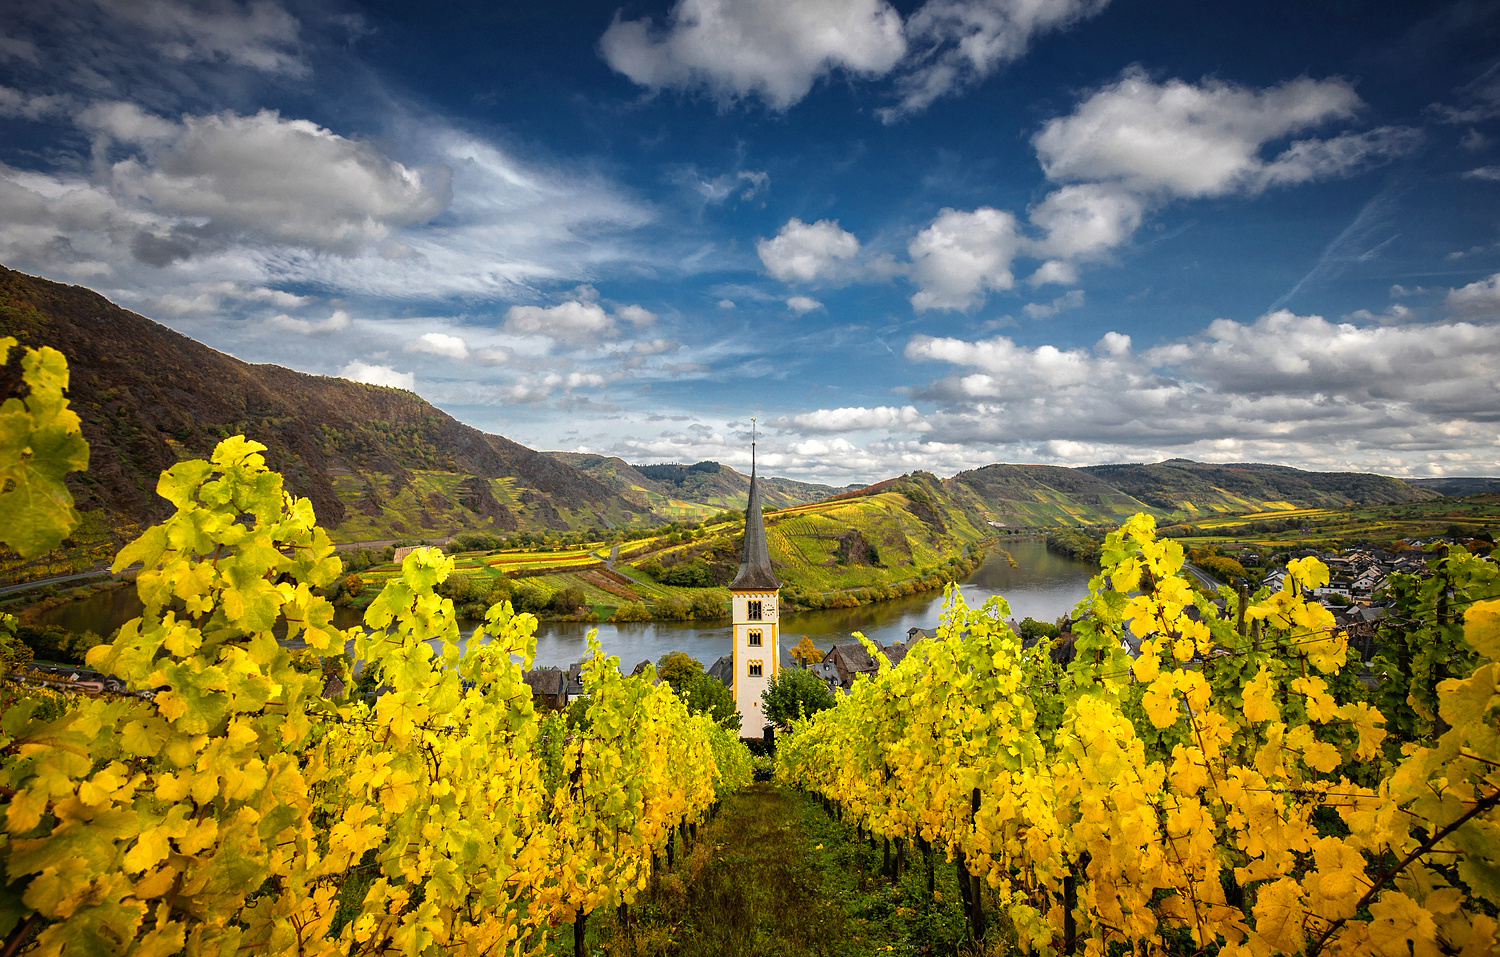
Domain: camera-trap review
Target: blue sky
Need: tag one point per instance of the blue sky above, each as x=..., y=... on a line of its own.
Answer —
x=922, y=235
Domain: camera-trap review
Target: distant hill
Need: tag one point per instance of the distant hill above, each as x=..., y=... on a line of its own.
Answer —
x=1175, y=490
x=683, y=491
x=1459, y=487
x=377, y=463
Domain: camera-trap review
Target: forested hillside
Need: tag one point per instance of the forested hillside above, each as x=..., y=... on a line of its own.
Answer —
x=376, y=462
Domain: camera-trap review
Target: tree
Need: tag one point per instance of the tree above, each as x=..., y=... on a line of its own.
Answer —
x=795, y=693
x=675, y=667
x=705, y=694
x=806, y=652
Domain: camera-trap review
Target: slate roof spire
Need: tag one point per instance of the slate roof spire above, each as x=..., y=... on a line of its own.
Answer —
x=755, y=563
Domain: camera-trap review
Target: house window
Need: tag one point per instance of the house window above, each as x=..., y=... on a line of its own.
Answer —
x=755, y=669
x=755, y=638
x=753, y=611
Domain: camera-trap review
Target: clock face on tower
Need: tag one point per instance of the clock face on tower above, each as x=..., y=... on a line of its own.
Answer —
x=770, y=608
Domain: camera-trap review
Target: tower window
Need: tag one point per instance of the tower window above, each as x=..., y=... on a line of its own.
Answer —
x=753, y=611
x=755, y=669
x=755, y=638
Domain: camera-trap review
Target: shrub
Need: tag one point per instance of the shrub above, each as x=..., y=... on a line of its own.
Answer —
x=708, y=606
x=631, y=611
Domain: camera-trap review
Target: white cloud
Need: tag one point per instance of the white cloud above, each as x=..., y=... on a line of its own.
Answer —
x=773, y=49
x=1183, y=139
x=1083, y=222
x=963, y=41
x=338, y=322
x=1477, y=299
x=1073, y=299
x=741, y=185
x=726, y=304
x=1284, y=378
x=260, y=35
x=1054, y=271
x=491, y=357
x=379, y=375
x=855, y=419
x=439, y=344
x=802, y=252
x=802, y=305
x=1396, y=313
x=960, y=256
x=1113, y=344
x=1484, y=172
x=265, y=178
x=635, y=315
x=655, y=347
x=533, y=389
x=566, y=320
x=23, y=106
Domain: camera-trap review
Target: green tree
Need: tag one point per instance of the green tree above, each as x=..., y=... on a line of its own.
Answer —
x=705, y=694
x=675, y=667
x=795, y=693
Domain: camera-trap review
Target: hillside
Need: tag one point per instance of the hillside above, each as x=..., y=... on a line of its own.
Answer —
x=376, y=462
x=1175, y=490
x=1459, y=487
x=691, y=491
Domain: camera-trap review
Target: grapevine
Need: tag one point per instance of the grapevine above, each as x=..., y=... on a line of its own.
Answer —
x=225, y=805
x=1225, y=786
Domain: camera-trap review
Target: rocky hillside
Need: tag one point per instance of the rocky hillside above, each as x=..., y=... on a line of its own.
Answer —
x=375, y=462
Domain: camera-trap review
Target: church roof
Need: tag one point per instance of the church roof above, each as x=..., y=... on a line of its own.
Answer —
x=755, y=564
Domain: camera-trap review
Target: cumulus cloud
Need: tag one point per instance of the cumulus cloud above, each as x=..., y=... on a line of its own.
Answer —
x=802, y=305
x=1080, y=223
x=1126, y=150
x=776, y=50
x=439, y=344
x=1284, y=378
x=266, y=178
x=772, y=49
x=1192, y=140
x=379, y=375
x=961, y=255
x=1491, y=173
x=338, y=322
x=803, y=252
x=1477, y=299
x=566, y=320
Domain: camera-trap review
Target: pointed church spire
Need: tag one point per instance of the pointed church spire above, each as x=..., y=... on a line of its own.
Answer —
x=755, y=563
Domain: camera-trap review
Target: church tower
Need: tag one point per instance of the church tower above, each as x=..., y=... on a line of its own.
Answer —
x=757, y=621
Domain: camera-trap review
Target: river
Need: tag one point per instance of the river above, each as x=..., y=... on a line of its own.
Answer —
x=1043, y=585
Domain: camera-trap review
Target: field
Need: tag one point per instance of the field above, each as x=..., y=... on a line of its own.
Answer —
x=857, y=549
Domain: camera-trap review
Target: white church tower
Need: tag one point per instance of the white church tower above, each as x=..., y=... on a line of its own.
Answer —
x=757, y=621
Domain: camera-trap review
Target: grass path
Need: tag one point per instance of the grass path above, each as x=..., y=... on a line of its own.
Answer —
x=774, y=876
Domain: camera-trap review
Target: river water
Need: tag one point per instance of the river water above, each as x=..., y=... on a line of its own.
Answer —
x=1043, y=585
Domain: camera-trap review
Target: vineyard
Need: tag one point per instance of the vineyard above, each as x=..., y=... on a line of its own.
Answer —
x=1232, y=790
x=227, y=806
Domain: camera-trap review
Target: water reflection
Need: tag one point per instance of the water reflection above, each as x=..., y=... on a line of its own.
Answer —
x=1043, y=585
